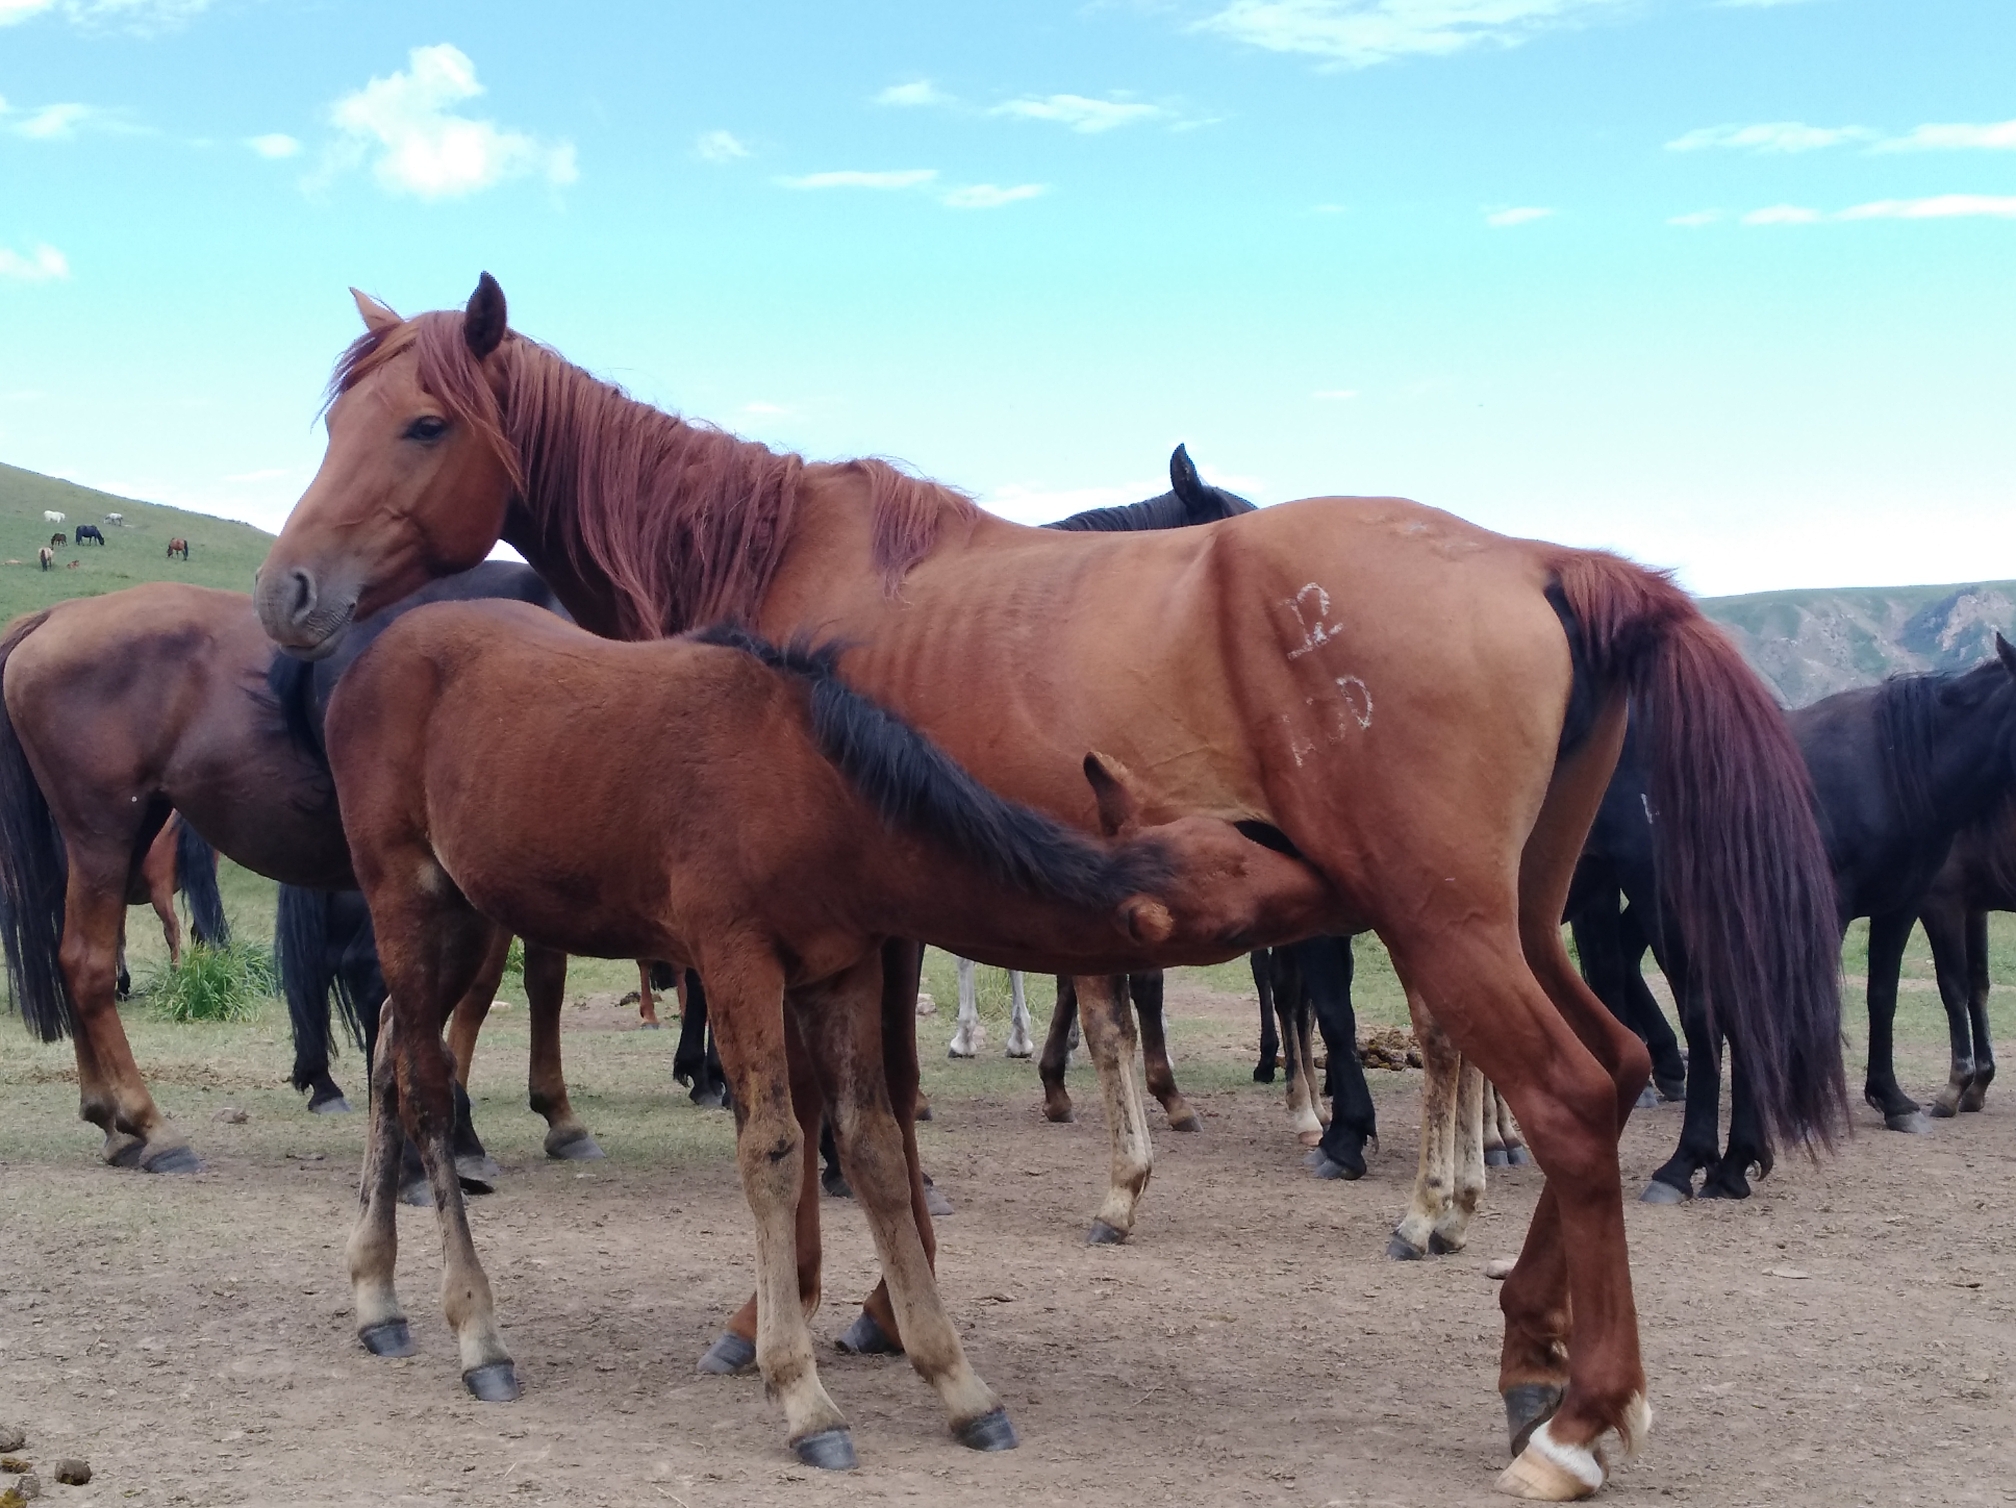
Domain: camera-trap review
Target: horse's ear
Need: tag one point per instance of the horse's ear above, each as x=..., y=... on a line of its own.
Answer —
x=1118, y=810
x=378, y=317
x=485, y=320
x=2005, y=652
x=1185, y=482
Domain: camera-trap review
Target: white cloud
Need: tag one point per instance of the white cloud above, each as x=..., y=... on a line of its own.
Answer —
x=897, y=178
x=1938, y=207
x=917, y=92
x=423, y=148
x=12, y=11
x=1769, y=136
x=2000, y=136
x=54, y=122
x=1783, y=214
x=274, y=145
x=1335, y=394
x=1079, y=112
x=1697, y=219
x=42, y=265
x=268, y=474
x=1360, y=33
x=122, y=15
x=719, y=146
x=1521, y=214
x=991, y=196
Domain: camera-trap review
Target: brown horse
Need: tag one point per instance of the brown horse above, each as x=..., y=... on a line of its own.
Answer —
x=113, y=711
x=1426, y=711
x=178, y=546
x=486, y=759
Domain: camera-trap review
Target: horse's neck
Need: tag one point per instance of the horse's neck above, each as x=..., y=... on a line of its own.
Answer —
x=1971, y=758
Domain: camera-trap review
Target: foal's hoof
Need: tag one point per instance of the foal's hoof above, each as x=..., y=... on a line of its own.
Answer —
x=1518, y=1157
x=708, y=1097
x=574, y=1144
x=1440, y=1245
x=829, y=1450
x=176, y=1159
x=729, y=1355
x=1528, y=1405
x=1191, y=1122
x=387, y=1338
x=495, y=1383
x=991, y=1431
x=1648, y=1099
x=1946, y=1106
x=1103, y=1234
x=1497, y=1157
x=936, y=1203
x=1670, y=1090
x=867, y=1338
x=334, y=1105
x=1911, y=1122
x=419, y=1194
x=1659, y=1192
x=1323, y=1165
x=1059, y=1115
x=478, y=1173
x=123, y=1150
x=1974, y=1098
x=1400, y=1249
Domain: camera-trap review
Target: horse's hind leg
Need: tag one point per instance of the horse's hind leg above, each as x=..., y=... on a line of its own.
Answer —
x=1146, y=992
x=476, y=1168
x=1887, y=937
x=160, y=877
x=567, y=1138
x=1499, y=1110
x=1977, y=1011
x=1020, y=1044
x=969, y=1037
x=1262, y=964
x=1945, y=920
x=373, y=1250
x=1473, y=1095
x=647, y=1008
x=1435, y=1171
x=1109, y=1037
x=1057, y=1053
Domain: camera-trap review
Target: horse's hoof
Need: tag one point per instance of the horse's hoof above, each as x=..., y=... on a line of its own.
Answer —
x=956, y=1056
x=936, y=1203
x=1528, y=1405
x=829, y=1450
x=729, y=1355
x=1518, y=1157
x=1497, y=1157
x=1440, y=1245
x=122, y=1150
x=1400, y=1249
x=652, y=1026
x=419, y=1194
x=1552, y=1475
x=1190, y=1122
x=1059, y=1115
x=1713, y=1189
x=1263, y=1075
x=495, y=1383
x=708, y=1098
x=1658, y=1192
x=835, y=1184
x=334, y=1105
x=1911, y=1122
x=1973, y=1100
x=1103, y=1234
x=866, y=1338
x=1024, y=1051
x=388, y=1338
x=1310, y=1138
x=991, y=1431
x=1323, y=1165
x=478, y=1173
x=1648, y=1099
x=573, y=1145
x=924, y=1112
x=1672, y=1091
x=178, y=1159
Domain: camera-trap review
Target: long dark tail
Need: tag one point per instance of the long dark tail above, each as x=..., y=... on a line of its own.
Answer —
x=301, y=946
x=1742, y=868
x=914, y=784
x=196, y=878
x=33, y=874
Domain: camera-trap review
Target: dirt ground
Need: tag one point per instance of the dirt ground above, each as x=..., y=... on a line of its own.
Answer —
x=1844, y=1338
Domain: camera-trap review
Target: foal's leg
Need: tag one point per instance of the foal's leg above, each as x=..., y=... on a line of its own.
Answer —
x=1497, y=1108
x=1452, y=1229
x=1020, y=1044
x=647, y=1008
x=1435, y=1170
x=1291, y=1004
x=969, y=1038
x=1977, y=1011
x=373, y=1250
x=1146, y=992
x=1262, y=964
x=476, y=1168
x=545, y=991
x=1057, y=1053
x=840, y=1025
x=161, y=895
x=1887, y=937
x=1109, y=1037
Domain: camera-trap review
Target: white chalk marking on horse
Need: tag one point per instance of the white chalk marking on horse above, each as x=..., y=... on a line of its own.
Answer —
x=1355, y=691
x=1314, y=635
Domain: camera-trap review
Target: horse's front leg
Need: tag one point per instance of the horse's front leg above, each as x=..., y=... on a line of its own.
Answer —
x=567, y=1138
x=1109, y=1038
x=1145, y=990
x=1020, y=1044
x=970, y=1036
x=1887, y=936
x=1057, y=1054
x=1435, y=1171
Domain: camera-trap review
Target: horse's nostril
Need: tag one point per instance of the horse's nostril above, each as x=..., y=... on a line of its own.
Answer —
x=304, y=596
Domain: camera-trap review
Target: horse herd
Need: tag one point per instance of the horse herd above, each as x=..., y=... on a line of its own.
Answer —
x=90, y=534
x=1202, y=730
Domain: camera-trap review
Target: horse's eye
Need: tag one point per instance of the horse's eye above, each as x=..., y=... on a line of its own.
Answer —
x=427, y=427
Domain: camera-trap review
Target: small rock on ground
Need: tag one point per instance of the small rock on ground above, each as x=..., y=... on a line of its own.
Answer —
x=1500, y=1268
x=926, y=1006
x=231, y=1115
x=12, y=1437
x=25, y=1487
x=72, y=1472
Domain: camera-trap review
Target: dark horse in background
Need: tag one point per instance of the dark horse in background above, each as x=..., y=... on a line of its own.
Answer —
x=1979, y=877
x=1898, y=771
x=90, y=533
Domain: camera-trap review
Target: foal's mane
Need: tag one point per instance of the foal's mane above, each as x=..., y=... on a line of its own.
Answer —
x=686, y=522
x=1909, y=724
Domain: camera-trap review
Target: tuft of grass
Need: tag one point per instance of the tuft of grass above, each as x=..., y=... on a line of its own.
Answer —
x=215, y=984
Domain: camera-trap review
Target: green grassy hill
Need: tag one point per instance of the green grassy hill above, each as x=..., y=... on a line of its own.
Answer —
x=221, y=553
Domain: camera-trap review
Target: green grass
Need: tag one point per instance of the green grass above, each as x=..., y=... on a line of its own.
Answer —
x=222, y=553
x=214, y=984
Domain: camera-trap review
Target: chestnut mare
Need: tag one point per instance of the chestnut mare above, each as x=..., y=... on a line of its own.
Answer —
x=1428, y=712
x=491, y=777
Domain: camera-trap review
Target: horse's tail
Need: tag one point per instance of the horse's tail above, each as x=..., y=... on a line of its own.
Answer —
x=914, y=784
x=33, y=873
x=196, y=878
x=1742, y=869
x=301, y=948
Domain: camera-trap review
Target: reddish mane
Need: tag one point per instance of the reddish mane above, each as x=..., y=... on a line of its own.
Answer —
x=687, y=522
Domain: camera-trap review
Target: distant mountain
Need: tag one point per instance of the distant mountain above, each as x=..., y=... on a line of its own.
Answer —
x=1811, y=644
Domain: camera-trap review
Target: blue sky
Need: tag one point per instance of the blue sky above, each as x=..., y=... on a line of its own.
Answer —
x=1727, y=286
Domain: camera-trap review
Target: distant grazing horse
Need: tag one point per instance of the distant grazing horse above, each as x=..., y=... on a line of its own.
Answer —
x=108, y=721
x=1979, y=876
x=487, y=781
x=57, y=541
x=1424, y=711
x=51, y=516
x=90, y=533
x=1898, y=771
x=178, y=546
x=47, y=557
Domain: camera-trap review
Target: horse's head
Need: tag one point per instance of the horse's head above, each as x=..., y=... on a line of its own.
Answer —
x=415, y=481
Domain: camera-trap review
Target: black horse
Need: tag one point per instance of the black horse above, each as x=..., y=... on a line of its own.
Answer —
x=1310, y=981
x=1979, y=877
x=1899, y=769
x=90, y=532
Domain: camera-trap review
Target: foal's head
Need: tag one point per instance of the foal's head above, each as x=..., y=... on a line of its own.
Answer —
x=415, y=481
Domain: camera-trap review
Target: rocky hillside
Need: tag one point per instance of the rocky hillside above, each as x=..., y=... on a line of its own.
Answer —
x=1810, y=644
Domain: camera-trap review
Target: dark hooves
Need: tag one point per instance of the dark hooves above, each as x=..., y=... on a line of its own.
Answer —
x=991, y=1431
x=495, y=1383
x=924, y=1112
x=1440, y=1245
x=1103, y=1234
x=708, y=1098
x=1648, y=1099
x=576, y=1146
x=1059, y=1117
x=123, y=1151
x=1943, y=1109
x=1911, y=1122
x=1263, y=1075
x=729, y=1355
x=936, y=1203
x=1518, y=1157
x=1497, y=1157
x=1528, y=1406
x=1190, y=1122
x=479, y=1174
x=419, y=1194
x=1400, y=1249
x=867, y=1338
x=1323, y=1165
x=835, y=1185
x=1710, y=1189
x=172, y=1160
x=829, y=1450
x=388, y=1338
x=1670, y=1090
x=334, y=1105
x=1660, y=1192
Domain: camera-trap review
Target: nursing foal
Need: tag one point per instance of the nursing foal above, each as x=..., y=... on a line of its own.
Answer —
x=794, y=829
